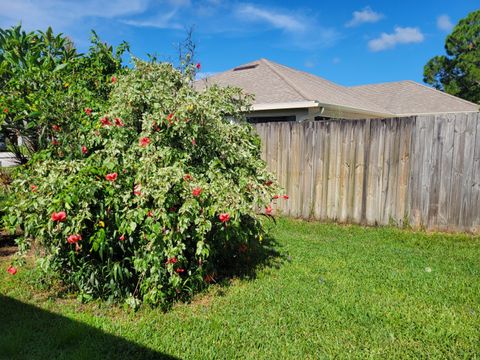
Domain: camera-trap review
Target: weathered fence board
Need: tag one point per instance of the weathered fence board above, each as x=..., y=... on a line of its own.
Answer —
x=422, y=170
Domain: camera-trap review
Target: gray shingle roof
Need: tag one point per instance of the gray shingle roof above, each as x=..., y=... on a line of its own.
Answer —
x=274, y=83
x=409, y=97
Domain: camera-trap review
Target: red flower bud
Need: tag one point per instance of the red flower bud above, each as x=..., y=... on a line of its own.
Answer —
x=224, y=217
x=285, y=197
x=170, y=117
x=150, y=213
x=269, y=182
x=198, y=66
x=105, y=121
x=119, y=122
x=73, y=239
x=33, y=187
x=122, y=238
x=179, y=270
x=88, y=111
x=276, y=196
x=56, y=128
x=59, y=217
x=268, y=210
x=111, y=177
x=144, y=141
x=5, y=111
x=196, y=191
x=114, y=79
x=194, y=142
x=172, y=260
x=11, y=270
x=187, y=177
x=84, y=149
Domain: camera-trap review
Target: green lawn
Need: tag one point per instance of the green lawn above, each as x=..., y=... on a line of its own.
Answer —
x=341, y=291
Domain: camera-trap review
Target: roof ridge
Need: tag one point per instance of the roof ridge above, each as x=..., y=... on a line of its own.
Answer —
x=282, y=77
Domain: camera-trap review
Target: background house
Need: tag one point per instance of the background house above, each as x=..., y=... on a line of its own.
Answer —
x=286, y=94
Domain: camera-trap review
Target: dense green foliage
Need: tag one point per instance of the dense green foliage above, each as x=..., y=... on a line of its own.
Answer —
x=151, y=199
x=458, y=73
x=344, y=292
x=45, y=82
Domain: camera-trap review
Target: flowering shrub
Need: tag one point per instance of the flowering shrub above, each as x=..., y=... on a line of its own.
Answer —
x=145, y=200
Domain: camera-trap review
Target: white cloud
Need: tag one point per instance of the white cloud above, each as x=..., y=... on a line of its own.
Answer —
x=276, y=19
x=367, y=15
x=162, y=21
x=406, y=35
x=444, y=23
x=64, y=14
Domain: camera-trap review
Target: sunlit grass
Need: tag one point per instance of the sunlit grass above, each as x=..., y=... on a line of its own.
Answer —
x=340, y=291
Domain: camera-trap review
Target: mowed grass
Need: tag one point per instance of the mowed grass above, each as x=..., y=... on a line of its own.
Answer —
x=336, y=292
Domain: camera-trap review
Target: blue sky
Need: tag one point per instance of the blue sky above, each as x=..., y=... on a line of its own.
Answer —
x=348, y=42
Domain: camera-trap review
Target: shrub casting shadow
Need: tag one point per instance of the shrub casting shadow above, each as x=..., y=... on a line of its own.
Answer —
x=32, y=333
x=244, y=263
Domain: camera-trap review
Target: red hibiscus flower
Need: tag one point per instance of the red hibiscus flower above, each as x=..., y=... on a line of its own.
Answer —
x=34, y=188
x=73, y=239
x=276, y=196
x=55, y=142
x=59, y=217
x=88, y=111
x=105, y=121
x=224, y=217
x=198, y=66
x=285, y=197
x=11, y=270
x=196, y=191
x=114, y=79
x=172, y=260
x=5, y=111
x=137, y=190
x=179, y=270
x=111, y=177
x=122, y=238
x=84, y=149
x=119, y=122
x=144, y=141
x=268, y=210
x=187, y=177
x=269, y=182
x=56, y=128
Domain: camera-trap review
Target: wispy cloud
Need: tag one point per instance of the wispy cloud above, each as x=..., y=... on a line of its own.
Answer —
x=444, y=23
x=366, y=15
x=64, y=14
x=160, y=21
x=274, y=18
x=401, y=35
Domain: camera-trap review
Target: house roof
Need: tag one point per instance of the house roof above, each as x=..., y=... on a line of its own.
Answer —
x=409, y=97
x=272, y=83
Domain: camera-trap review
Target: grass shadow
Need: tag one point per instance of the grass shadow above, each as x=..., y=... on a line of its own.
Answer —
x=244, y=262
x=29, y=332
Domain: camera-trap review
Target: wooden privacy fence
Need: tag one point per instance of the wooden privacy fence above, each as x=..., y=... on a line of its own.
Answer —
x=422, y=171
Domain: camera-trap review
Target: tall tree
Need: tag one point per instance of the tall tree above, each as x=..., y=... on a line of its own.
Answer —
x=458, y=72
